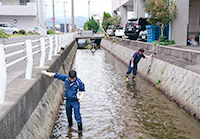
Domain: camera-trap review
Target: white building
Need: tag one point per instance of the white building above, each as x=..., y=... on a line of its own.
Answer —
x=25, y=14
x=186, y=23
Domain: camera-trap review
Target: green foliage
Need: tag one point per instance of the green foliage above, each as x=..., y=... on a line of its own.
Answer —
x=110, y=22
x=114, y=41
x=21, y=31
x=106, y=15
x=114, y=21
x=160, y=12
x=91, y=25
x=159, y=80
x=163, y=41
x=3, y=34
x=50, y=32
x=106, y=23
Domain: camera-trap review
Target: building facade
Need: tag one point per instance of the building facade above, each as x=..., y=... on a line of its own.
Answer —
x=24, y=14
x=186, y=23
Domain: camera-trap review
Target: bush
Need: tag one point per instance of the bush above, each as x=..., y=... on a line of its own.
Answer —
x=163, y=41
x=21, y=31
x=50, y=32
x=3, y=34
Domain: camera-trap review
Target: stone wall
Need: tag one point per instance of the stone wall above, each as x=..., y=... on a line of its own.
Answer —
x=31, y=106
x=178, y=83
x=41, y=121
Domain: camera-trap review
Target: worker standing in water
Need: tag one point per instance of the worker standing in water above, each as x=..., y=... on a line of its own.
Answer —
x=72, y=87
x=93, y=48
x=134, y=61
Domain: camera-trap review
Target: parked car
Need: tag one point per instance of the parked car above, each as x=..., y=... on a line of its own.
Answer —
x=8, y=28
x=134, y=26
x=110, y=32
x=143, y=35
x=119, y=32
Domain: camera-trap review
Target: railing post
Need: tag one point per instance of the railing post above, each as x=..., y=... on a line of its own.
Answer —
x=43, y=52
x=3, y=74
x=29, y=65
x=63, y=40
x=56, y=43
x=60, y=43
x=67, y=40
x=51, y=48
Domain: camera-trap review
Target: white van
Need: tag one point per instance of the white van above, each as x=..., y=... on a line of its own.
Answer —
x=8, y=28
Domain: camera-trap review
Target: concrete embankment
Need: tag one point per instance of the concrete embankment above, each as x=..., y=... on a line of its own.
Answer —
x=174, y=70
x=31, y=106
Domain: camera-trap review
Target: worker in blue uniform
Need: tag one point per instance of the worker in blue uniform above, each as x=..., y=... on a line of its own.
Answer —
x=73, y=85
x=134, y=61
x=93, y=48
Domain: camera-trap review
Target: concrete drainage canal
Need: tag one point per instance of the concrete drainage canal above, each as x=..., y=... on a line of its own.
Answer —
x=112, y=108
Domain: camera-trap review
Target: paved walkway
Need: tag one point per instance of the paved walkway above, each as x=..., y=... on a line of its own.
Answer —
x=197, y=48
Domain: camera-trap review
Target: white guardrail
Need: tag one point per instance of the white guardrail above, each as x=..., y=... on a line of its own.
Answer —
x=44, y=43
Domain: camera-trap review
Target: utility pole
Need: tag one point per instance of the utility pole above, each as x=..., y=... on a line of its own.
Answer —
x=54, y=29
x=88, y=9
x=72, y=15
x=64, y=17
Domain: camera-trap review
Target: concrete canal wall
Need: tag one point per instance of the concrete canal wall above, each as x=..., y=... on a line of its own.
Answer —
x=33, y=113
x=179, y=77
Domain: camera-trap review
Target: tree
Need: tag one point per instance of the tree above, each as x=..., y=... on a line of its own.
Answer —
x=106, y=23
x=160, y=12
x=110, y=22
x=91, y=25
x=114, y=22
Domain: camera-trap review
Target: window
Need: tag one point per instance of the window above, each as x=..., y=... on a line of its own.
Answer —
x=24, y=2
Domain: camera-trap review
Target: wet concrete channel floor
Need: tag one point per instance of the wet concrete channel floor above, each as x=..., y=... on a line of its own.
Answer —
x=114, y=109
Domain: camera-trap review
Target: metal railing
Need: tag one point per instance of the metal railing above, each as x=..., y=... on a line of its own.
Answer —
x=51, y=43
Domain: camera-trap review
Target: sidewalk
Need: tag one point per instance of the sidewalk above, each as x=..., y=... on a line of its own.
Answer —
x=189, y=47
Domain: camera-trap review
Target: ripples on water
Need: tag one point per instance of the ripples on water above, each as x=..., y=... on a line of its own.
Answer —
x=113, y=109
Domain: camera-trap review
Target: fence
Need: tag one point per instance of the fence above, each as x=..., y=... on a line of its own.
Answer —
x=53, y=43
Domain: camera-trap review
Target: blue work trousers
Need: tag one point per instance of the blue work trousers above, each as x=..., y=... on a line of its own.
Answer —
x=76, y=106
x=130, y=69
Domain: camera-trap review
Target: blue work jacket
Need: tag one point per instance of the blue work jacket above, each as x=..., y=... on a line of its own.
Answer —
x=137, y=56
x=71, y=88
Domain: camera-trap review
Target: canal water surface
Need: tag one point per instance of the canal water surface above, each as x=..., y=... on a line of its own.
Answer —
x=114, y=109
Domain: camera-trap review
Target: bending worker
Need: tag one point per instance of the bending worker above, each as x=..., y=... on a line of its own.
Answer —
x=93, y=46
x=72, y=84
x=134, y=61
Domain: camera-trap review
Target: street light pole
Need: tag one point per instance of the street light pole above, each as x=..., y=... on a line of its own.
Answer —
x=72, y=15
x=54, y=29
x=89, y=9
x=64, y=17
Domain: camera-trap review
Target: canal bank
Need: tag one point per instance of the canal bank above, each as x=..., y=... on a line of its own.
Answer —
x=31, y=106
x=41, y=121
x=179, y=79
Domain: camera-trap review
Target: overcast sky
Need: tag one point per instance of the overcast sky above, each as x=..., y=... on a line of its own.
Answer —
x=80, y=7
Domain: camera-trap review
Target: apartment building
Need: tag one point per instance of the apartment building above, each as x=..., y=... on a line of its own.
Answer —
x=24, y=14
x=186, y=23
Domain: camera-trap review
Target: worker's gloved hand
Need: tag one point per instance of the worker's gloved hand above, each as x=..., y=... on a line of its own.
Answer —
x=47, y=73
x=81, y=96
x=132, y=65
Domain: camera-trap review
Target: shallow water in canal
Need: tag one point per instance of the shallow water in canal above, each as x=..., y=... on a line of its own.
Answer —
x=113, y=109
